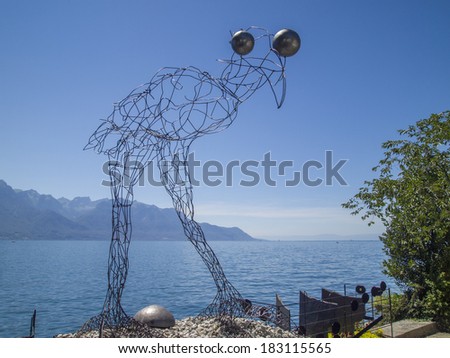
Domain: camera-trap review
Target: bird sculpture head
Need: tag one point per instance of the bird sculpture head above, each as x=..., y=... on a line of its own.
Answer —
x=259, y=58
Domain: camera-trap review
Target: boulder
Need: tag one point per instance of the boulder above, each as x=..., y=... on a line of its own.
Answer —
x=155, y=316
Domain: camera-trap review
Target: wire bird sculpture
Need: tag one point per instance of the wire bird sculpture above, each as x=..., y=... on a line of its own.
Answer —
x=159, y=121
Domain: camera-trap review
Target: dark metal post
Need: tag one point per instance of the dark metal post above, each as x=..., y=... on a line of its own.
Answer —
x=33, y=325
x=390, y=313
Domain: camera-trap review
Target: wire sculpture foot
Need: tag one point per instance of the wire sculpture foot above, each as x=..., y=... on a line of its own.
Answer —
x=105, y=325
x=222, y=306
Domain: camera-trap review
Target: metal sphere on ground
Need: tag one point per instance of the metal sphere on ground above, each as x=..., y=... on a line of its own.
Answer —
x=286, y=42
x=155, y=316
x=242, y=42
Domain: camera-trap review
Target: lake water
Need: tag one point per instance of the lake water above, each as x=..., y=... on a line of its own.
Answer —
x=65, y=281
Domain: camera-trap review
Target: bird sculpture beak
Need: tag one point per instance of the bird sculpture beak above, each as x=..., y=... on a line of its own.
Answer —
x=279, y=91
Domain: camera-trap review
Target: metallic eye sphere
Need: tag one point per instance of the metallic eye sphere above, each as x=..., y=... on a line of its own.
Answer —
x=242, y=42
x=286, y=42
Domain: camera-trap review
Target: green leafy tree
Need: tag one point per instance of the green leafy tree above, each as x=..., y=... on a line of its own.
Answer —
x=411, y=197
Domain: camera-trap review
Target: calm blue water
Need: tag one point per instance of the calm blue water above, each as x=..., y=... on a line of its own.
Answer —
x=65, y=281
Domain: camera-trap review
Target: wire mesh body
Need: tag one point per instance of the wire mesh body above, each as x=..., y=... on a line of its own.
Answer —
x=158, y=121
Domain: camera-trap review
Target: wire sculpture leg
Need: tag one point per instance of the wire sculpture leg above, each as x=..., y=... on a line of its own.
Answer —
x=122, y=199
x=176, y=178
x=113, y=316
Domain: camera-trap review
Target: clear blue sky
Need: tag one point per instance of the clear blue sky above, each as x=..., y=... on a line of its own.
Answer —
x=365, y=69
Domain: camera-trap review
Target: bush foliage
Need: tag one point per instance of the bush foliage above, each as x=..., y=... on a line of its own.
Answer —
x=411, y=196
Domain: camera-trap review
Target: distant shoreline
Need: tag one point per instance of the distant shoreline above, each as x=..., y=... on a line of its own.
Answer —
x=211, y=240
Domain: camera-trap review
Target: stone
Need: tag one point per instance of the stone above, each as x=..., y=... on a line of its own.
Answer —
x=155, y=316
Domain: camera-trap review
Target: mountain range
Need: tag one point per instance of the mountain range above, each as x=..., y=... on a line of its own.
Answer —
x=26, y=214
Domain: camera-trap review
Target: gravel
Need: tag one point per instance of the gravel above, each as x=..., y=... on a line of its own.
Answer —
x=195, y=327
